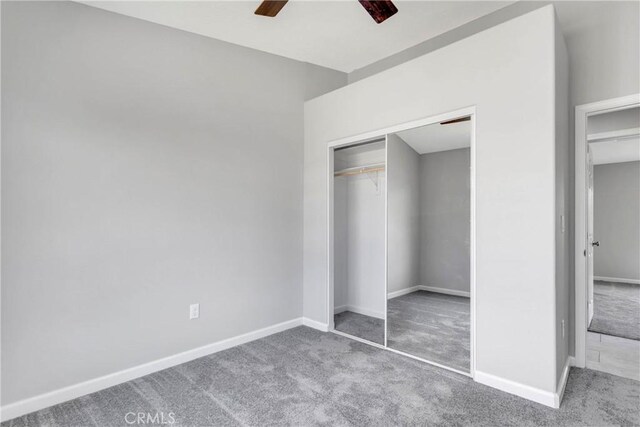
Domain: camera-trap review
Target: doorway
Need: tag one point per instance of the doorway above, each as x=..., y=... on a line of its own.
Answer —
x=607, y=292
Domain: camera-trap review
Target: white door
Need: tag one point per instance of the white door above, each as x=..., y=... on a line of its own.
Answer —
x=589, y=236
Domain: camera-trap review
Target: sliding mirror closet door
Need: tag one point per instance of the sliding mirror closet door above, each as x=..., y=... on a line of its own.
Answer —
x=429, y=228
x=359, y=216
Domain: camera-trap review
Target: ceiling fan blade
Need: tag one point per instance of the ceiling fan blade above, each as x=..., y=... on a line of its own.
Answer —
x=270, y=7
x=379, y=10
x=461, y=119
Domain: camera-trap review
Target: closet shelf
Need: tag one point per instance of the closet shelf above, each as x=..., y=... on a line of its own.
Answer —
x=359, y=170
x=613, y=135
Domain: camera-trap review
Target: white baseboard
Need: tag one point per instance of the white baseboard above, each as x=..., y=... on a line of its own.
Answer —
x=543, y=397
x=436, y=289
x=55, y=397
x=359, y=310
x=617, y=280
x=401, y=292
x=315, y=324
x=445, y=291
x=562, y=383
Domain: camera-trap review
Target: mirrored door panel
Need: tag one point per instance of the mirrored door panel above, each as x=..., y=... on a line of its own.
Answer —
x=428, y=307
x=359, y=218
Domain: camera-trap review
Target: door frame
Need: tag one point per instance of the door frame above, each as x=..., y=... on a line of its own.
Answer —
x=382, y=134
x=582, y=113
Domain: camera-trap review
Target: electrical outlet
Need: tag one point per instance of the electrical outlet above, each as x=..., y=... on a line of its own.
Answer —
x=194, y=311
x=562, y=322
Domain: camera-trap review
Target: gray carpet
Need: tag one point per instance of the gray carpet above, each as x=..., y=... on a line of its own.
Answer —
x=361, y=326
x=432, y=326
x=303, y=377
x=616, y=309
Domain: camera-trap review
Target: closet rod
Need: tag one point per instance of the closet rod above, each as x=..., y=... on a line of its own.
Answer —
x=360, y=170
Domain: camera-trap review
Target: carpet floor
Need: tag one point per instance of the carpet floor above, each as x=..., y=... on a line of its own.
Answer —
x=361, y=326
x=616, y=309
x=432, y=326
x=303, y=377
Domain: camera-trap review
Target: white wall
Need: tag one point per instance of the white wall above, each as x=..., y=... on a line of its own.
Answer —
x=563, y=203
x=616, y=220
x=143, y=169
x=359, y=224
x=403, y=228
x=365, y=247
x=445, y=219
x=512, y=85
x=341, y=242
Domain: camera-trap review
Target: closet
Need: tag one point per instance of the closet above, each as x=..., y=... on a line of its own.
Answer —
x=401, y=249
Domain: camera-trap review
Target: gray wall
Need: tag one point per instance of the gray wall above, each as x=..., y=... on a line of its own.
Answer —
x=143, y=169
x=616, y=220
x=428, y=218
x=615, y=120
x=603, y=42
x=403, y=215
x=445, y=219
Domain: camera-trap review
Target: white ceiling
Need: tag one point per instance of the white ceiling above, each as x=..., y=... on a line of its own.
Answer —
x=437, y=137
x=335, y=34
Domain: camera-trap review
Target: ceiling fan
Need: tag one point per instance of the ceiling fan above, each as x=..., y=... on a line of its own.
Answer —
x=379, y=10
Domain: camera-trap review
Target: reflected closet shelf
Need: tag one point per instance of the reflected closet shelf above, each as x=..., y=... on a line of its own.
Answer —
x=379, y=167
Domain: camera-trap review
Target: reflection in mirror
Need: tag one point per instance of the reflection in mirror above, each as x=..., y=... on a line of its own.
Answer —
x=613, y=178
x=359, y=240
x=428, y=308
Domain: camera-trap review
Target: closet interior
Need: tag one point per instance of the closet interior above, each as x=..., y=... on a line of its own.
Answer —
x=402, y=242
x=359, y=240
